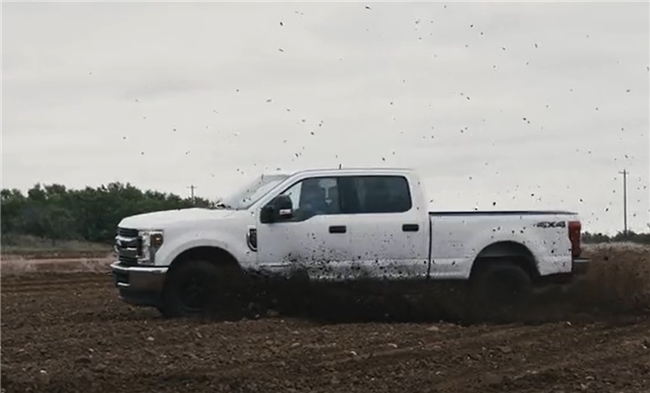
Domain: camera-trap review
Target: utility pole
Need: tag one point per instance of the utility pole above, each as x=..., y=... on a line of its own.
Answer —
x=192, y=188
x=624, y=173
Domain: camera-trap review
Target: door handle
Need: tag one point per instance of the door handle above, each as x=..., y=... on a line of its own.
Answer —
x=410, y=227
x=338, y=229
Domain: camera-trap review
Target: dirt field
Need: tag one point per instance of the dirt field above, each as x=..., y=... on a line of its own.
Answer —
x=66, y=331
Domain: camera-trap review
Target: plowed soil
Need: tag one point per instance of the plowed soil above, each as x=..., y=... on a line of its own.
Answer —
x=68, y=332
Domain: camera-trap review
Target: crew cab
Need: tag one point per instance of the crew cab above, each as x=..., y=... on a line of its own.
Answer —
x=338, y=225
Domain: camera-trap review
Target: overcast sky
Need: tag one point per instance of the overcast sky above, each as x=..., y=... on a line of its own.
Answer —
x=498, y=105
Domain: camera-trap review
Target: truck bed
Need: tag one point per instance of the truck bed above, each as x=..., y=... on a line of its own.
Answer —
x=458, y=237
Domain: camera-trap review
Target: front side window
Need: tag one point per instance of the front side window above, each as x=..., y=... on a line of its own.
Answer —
x=314, y=197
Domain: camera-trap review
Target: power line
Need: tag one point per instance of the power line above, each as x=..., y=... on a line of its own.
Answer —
x=624, y=173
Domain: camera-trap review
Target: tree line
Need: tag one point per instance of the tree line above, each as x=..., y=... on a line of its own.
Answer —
x=622, y=236
x=54, y=212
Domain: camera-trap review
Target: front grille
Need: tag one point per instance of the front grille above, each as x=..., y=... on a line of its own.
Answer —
x=127, y=232
x=128, y=246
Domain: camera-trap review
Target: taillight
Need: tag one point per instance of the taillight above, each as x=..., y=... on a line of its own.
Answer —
x=574, y=235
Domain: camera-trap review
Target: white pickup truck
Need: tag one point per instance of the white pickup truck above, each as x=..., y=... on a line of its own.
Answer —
x=337, y=225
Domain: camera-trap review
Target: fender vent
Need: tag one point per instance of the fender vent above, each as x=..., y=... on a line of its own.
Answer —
x=251, y=238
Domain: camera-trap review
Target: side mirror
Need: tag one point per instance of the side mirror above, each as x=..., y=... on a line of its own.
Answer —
x=280, y=207
x=267, y=214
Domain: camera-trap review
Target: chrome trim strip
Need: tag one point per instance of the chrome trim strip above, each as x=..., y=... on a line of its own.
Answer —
x=125, y=239
x=139, y=269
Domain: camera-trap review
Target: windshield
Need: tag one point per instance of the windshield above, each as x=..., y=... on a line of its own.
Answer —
x=246, y=196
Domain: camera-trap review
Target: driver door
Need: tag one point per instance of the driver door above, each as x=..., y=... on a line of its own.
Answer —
x=314, y=240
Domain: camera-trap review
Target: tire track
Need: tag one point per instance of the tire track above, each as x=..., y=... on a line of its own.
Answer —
x=445, y=341
x=557, y=357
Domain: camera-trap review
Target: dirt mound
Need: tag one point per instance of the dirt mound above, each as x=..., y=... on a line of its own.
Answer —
x=618, y=280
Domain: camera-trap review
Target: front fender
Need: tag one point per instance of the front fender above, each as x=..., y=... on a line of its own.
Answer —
x=233, y=242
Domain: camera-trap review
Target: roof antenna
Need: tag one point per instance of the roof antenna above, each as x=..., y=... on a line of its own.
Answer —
x=340, y=166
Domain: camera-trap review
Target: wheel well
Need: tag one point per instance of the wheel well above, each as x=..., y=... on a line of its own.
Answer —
x=514, y=252
x=214, y=255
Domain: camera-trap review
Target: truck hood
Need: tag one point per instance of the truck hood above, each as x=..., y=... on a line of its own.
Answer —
x=171, y=218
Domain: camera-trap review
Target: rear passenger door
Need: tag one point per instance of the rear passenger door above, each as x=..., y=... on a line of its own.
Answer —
x=389, y=236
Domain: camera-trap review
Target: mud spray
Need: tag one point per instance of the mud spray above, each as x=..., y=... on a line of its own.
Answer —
x=616, y=285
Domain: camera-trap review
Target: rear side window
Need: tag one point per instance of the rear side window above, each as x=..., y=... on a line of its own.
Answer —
x=375, y=194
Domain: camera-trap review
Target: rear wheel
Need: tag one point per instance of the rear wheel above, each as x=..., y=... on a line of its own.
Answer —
x=199, y=288
x=501, y=291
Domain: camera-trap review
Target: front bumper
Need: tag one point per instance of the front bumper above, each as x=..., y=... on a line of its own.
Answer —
x=139, y=285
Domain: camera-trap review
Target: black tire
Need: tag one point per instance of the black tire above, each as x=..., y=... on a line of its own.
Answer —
x=200, y=288
x=501, y=292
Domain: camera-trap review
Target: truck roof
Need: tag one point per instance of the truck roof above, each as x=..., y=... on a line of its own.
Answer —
x=354, y=170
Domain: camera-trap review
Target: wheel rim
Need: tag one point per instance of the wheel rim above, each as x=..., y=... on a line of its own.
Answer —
x=194, y=292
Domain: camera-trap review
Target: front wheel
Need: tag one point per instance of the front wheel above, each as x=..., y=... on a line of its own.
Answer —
x=198, y=288
x=501, y=292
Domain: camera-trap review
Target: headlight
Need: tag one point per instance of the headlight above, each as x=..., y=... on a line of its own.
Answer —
x=156, y=239
x=151, y=240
